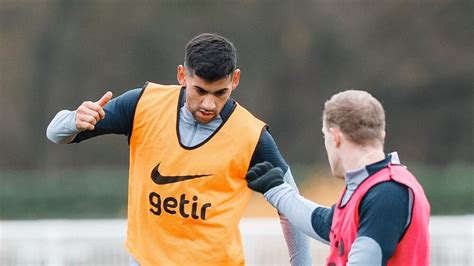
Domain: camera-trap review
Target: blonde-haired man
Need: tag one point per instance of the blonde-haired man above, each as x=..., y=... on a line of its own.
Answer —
x=382, y=216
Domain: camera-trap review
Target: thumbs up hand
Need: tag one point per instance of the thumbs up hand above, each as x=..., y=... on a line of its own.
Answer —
x=89, y=113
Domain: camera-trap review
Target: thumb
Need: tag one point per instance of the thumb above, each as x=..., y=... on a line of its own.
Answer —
x=105, y=99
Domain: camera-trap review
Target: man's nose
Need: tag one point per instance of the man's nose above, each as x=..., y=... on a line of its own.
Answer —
x=208, y=103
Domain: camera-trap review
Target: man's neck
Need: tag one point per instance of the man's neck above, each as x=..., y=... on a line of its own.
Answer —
x=356, y=157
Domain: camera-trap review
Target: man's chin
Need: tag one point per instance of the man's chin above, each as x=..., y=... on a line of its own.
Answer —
x=338, y=175
x=204, y=120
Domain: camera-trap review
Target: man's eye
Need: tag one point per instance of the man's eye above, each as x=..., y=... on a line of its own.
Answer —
x=200, y=91
x=220, y=93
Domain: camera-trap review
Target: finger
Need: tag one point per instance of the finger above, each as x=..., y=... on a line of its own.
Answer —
x=90, y=112
x=87, y=119
x=86, y=107
x=262, y=168
x=90, y=105
x=81, y=126
x=256, y=171
x=101, y=113
x=269, y=165
x=276, y=171
x=251, y=175
x=105, y=99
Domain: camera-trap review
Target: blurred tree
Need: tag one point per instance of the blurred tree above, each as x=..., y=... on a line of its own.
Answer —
x=415, y=57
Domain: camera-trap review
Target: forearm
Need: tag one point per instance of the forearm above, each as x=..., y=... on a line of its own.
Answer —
x=62, y=129
x=365, y=251
x=117, y=119
x=297, y=242
x=295, y=208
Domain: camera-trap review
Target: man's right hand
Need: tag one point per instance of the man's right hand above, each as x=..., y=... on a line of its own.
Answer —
x=263, y=177
x=89, y=113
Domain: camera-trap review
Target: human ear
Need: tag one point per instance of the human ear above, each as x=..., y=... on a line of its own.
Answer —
x=181, y=75
x=336, y=136
x=235, y=79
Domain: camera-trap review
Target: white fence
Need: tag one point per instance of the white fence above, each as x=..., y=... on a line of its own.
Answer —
x=100, y=242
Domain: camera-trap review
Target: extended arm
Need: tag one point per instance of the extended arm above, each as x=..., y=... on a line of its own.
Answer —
x=81, y=124
x=384, y=214
x=311, y=218
x=298, y=244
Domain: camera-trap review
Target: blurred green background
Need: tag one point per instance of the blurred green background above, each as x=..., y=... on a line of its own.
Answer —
x=416, y=57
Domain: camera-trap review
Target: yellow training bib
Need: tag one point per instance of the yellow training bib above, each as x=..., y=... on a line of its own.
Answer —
x=185, y=204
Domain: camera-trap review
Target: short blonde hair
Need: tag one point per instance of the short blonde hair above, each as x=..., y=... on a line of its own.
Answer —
x=358, y=114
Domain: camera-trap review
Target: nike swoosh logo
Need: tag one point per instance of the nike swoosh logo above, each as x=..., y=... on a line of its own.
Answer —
x=164, y=179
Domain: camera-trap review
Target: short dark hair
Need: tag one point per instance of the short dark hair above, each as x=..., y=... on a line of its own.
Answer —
x=210, y=56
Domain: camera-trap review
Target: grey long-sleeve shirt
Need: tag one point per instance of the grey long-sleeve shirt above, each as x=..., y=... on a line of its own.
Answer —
x=119, y=120
x=384, y=214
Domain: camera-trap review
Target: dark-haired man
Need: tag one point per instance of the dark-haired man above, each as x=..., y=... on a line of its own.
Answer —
x=190, y=148
x=382, y=215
